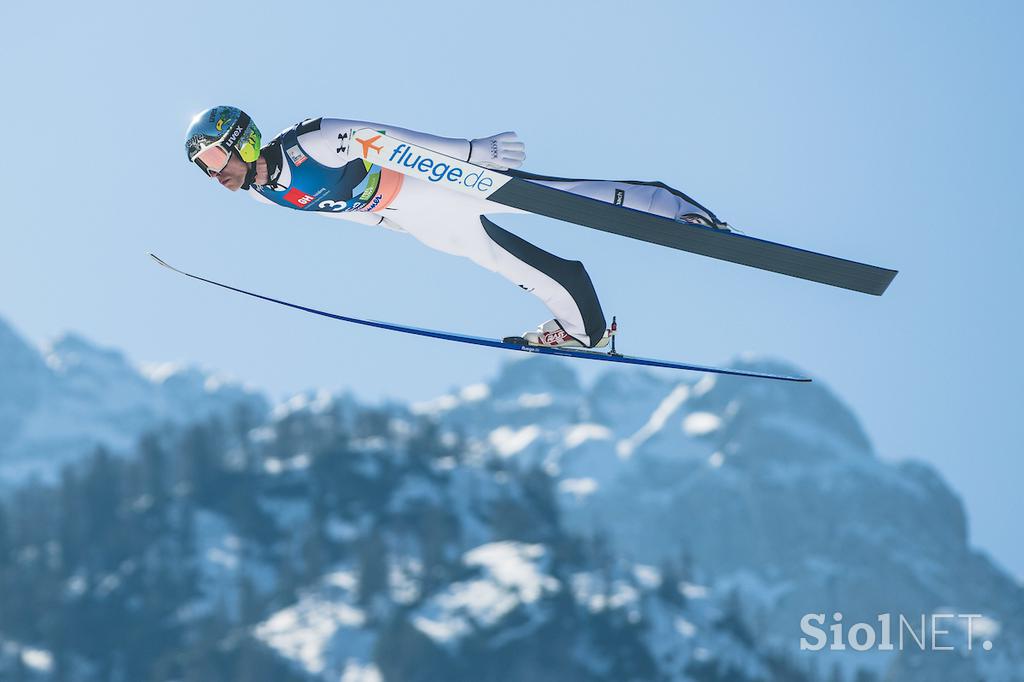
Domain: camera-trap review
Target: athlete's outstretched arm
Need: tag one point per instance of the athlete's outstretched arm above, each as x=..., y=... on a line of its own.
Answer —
x=334, y=144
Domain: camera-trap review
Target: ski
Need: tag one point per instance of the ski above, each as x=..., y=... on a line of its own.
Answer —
x=492, y=343
x=515, y=189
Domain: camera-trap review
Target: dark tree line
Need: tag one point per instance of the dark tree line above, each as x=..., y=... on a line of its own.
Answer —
x=104, y=568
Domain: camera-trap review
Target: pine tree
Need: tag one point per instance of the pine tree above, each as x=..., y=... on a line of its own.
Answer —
x=152, y=461
x=668, y=588
x=865, y=675
x=734, y=619
x=436, y=530
x=372, y=558
x=5, y=542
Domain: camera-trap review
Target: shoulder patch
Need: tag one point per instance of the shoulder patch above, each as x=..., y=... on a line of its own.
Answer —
x=308, y=126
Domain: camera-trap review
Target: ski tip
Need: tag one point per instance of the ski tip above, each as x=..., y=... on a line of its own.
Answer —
x=795, y=378
x=161, y=261
x=759, y=375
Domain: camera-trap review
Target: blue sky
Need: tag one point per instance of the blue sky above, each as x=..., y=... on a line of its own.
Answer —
x=879, y=131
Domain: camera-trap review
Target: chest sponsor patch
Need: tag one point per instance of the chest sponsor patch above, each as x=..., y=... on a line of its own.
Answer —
x=296, y=155
x=298, y=198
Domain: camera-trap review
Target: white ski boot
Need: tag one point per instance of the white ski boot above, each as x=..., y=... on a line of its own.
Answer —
x=551, y=334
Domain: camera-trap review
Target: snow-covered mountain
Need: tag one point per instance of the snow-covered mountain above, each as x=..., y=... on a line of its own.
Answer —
x=772, y=489
x=59, y=402
x=644, y=526
x=339, y=542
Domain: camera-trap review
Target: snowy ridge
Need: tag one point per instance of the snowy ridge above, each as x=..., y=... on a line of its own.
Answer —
x=512, y=578
x=775, y=490
x=60, y=402
x=644, y=526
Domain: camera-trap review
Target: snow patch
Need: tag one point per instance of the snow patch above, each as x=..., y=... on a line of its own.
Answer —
x=221, y=549
x=580, y=433
x=436, y=406
x=303, y=631
x=980, y=628
x=595, y=592
x=274, y=466
x=685, y=627
x=404, y=580
x=442, y=630
x=316, y=402
x=475, y=392
x=342, y=531
x=706, y=383
x=577, y=487
x=310, y=631
x=39, y=660
x=986, y=627
x=357, y=672
x=263, y=434
x=701, y=423
x=215, y=382
x=513, y=565
x=512, y=575
x=76, y=586
x=534, y=400
x=343, y=580
x=655, y=423
x=157, y=372
x=508, y=441
x=648, y=577
x=691, y=591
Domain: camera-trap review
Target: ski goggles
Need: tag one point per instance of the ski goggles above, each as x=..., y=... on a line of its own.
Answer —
x=212, y=159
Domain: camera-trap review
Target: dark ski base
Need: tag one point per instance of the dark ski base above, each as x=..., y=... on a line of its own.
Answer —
x=706, y=241
x=493, y=343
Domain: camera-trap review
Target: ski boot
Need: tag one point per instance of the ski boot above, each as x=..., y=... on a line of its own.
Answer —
x=703, y=221
x=551, y=334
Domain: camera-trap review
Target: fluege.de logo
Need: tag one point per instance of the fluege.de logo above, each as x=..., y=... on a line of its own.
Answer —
x=427, y=167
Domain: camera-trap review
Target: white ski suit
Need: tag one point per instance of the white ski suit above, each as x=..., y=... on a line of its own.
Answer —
x=314, y=167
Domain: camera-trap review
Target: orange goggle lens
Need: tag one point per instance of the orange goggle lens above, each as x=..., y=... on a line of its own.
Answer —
x=212, y=159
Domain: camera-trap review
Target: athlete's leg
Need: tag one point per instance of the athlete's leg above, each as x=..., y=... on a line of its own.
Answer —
x=653, y=198
x=453, y=223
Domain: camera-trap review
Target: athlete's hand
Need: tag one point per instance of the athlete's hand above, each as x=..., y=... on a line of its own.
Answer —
x=500, y=152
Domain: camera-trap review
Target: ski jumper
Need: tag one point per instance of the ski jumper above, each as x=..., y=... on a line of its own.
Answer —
x=313, y=167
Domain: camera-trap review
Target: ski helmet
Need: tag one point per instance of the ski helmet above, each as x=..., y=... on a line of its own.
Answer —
x=216, y=132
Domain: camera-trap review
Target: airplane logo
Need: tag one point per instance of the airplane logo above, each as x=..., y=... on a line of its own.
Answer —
x=369, y=144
